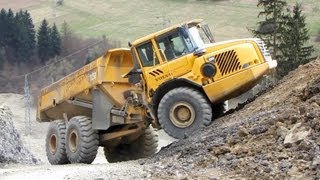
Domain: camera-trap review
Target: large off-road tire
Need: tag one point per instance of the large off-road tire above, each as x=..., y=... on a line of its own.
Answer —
x=82, y=141
x=145, y=146
x=183, y=111
x=55, y=143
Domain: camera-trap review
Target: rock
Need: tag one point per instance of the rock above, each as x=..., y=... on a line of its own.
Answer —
x=282, y=131
x=316, y=161
x=265, y=163
x=243, y=132
x=221, y=150
x=258, y=130
x=311, y=115
x=282, y=156
x=294, y=172
x=285, y=165
x=296, y=137
x=267, y=170
x=240, y=150
x=304, y=145
x=295, y=127
x=302, y=109
x=229, y=157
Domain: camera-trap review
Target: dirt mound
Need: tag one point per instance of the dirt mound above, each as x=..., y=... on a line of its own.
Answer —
x=11, y=147
x=275, y=136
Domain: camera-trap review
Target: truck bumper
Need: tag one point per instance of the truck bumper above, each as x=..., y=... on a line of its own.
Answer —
x=238, y=83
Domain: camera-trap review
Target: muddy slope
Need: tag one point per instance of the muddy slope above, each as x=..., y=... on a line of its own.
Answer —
x=275, y=136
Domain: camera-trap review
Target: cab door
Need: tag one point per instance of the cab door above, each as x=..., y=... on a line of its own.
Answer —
x=175, y=53
x=154, y=71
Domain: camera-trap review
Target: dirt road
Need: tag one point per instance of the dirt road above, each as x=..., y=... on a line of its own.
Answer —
x=35, y=143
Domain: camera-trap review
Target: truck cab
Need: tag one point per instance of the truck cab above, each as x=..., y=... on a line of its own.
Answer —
x=186, y=55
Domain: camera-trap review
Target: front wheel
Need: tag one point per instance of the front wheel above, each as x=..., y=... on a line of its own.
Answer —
x=183, y=111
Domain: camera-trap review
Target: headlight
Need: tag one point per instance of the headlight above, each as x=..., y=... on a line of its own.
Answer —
x=208, y=70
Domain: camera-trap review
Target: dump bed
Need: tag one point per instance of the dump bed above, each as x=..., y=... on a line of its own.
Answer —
x=104, y=73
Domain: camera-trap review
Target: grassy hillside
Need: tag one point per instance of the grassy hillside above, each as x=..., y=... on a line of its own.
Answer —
x=126, y=20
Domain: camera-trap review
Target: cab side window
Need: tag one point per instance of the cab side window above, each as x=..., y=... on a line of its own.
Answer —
x=147, y=55
x=172, y=46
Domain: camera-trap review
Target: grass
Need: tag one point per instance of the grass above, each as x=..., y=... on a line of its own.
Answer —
x=126, y=20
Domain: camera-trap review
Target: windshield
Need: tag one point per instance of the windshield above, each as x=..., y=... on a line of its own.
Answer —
x=201, y=35
x=198, y=40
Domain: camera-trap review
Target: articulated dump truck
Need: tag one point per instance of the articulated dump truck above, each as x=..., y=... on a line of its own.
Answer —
x=176, y=79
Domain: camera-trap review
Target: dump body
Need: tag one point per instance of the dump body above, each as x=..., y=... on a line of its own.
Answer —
x=105, y=74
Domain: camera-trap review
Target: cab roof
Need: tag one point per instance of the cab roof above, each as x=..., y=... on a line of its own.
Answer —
x=159, y=33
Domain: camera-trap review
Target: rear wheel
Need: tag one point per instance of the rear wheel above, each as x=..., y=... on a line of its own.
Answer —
x=82, y=141
x=145, y=146
x=55, y=143
x=183, y=111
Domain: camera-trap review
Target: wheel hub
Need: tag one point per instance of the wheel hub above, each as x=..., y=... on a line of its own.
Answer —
x=53, y=144
x=182, y=114
x=73, y=141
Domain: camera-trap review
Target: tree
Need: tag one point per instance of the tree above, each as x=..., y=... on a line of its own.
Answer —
x=9, y=36
x=3, y=27
x=270, y=29
x=55, y=41
x=44, y=42
x=294, y=37
x=24, y=37
x=66, y=39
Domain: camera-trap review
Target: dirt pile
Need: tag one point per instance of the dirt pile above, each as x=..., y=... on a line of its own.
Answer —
x=275, y=136
x=11, y=147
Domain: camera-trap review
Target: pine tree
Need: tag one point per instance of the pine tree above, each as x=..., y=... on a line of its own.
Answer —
x=10, y=37
x=44, y=42
x=24, y=37
x=3, y=21
x=3, y=26
x=10, y=28
x=31, y=33
x=66, y=39
x=294, y=38
x=55, y=41
x=270, y=29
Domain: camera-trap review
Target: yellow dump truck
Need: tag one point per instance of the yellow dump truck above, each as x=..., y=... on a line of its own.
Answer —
x=176, y=79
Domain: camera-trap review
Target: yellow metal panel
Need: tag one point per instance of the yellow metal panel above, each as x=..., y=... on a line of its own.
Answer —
x=108, y=68
x=234, y=82
x=69, y=86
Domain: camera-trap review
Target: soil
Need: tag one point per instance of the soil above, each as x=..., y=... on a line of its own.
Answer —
x=276, y=136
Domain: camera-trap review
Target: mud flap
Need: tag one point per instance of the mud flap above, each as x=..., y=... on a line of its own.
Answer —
x=101, y=111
